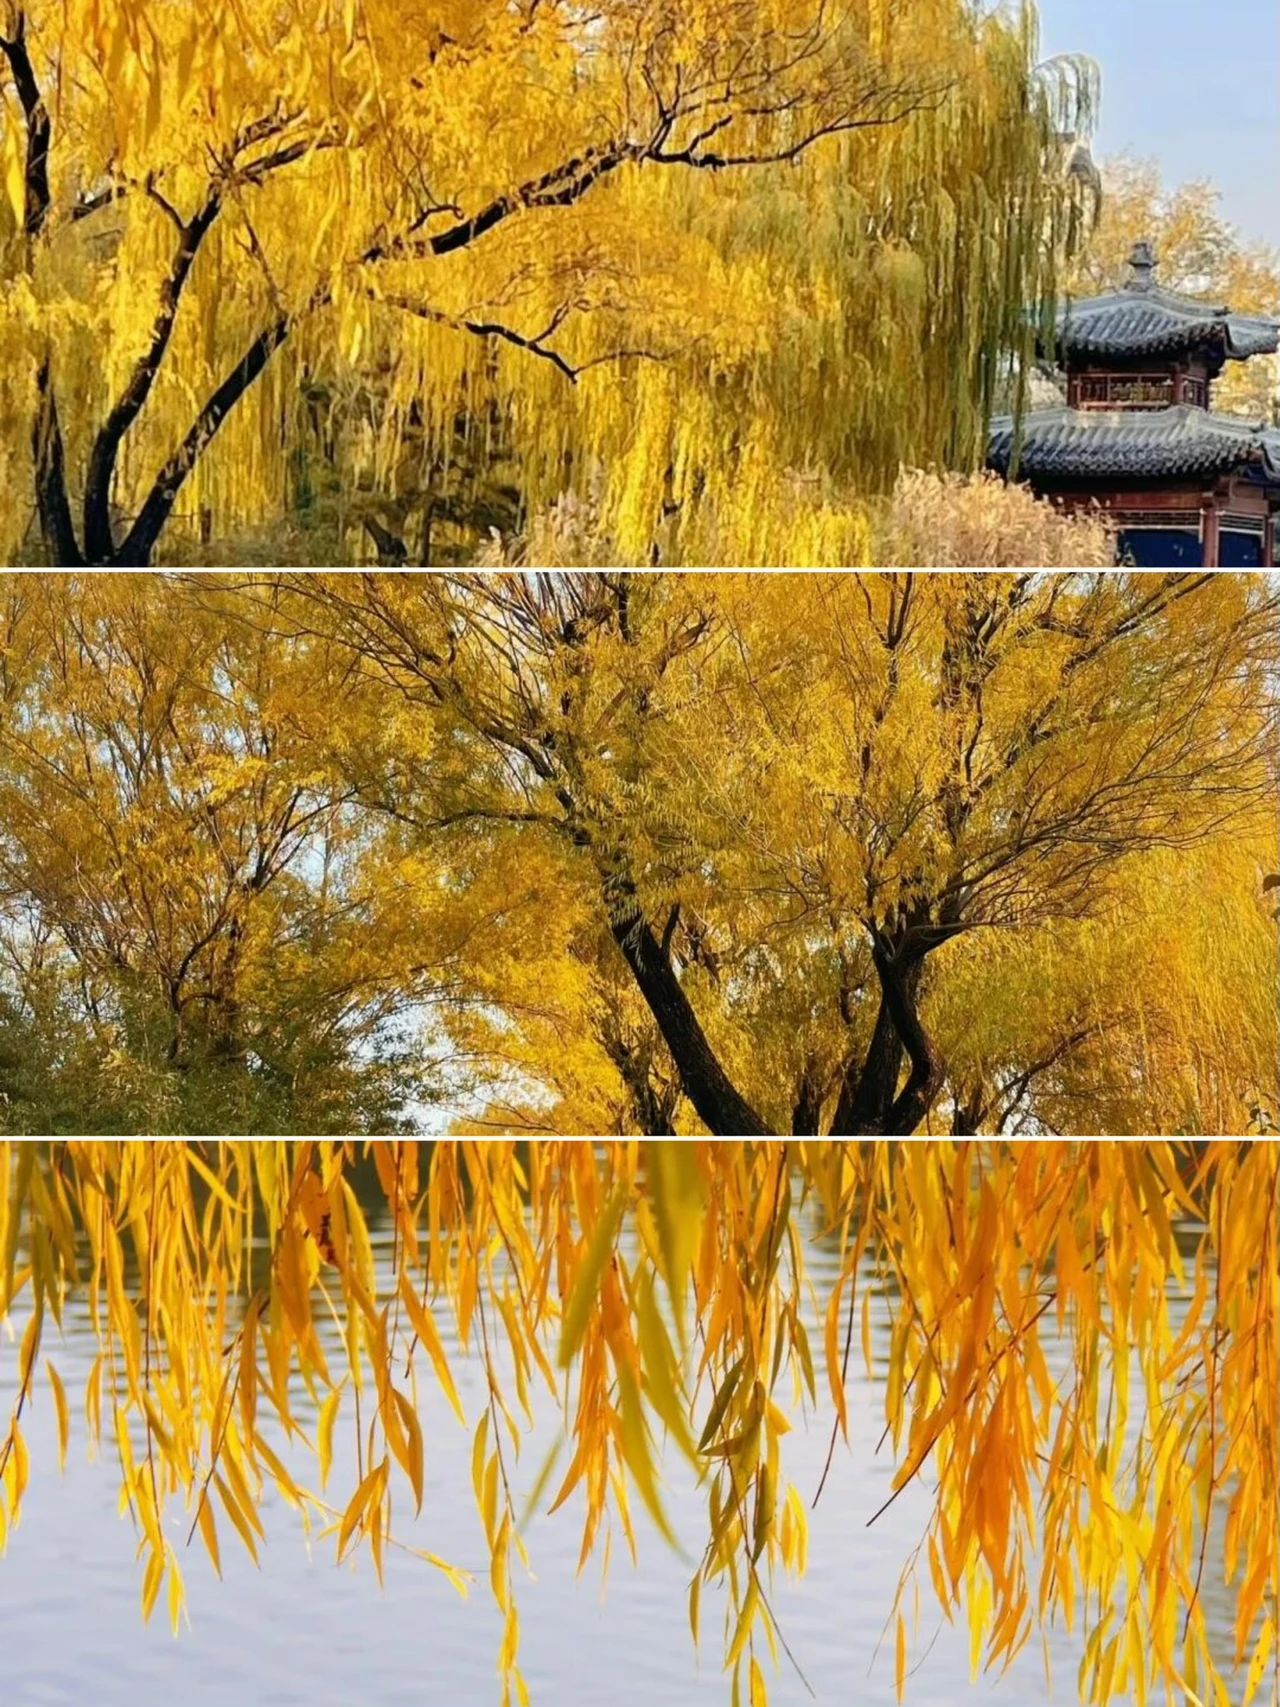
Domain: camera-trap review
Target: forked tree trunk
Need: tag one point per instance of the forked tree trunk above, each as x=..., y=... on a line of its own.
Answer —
x=928, y=1070
x=706, y=1084
x=136, y=549
x=870, y=1103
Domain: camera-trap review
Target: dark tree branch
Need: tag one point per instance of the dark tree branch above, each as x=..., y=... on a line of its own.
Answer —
x=669, y=931
x=653, y=1104
x=535, y=345
x=870, y=1103
x=567, y=183
x=881, y=112
x=719, y=1104
x=560, y=187
x=869, y=1086
x=166, y=206
x=39, y=129
x=140, y=541
x=99, y=541
x=806, y=1106
x=1011, y=1094
x=231, y=169
x=392, y=550
x=485, y=329
x=928, y=1070
x=52, y=501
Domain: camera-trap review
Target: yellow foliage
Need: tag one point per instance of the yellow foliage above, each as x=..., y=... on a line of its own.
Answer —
x=1085, y=1494
x=247, y=251
x=851, y=855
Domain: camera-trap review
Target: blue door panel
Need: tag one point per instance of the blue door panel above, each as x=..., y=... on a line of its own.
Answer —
x=1161, y=548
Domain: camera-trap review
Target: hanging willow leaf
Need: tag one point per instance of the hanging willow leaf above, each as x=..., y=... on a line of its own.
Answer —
x=209, y=1533
x=678, y=1193
x=636, y=1450
x=661, y=1369
x=425, y=1328
x=60, y=1405
x=599, y=1253
x=324, y=1434
x=368, y=1492
x=412, y=1461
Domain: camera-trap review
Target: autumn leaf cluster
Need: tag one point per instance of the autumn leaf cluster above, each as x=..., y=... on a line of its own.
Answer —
x=838, y=855
x=401, y=263
x=658, y=1292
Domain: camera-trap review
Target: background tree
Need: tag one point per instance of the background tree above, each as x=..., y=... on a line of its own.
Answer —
x=1199, y=252
x=191, y=937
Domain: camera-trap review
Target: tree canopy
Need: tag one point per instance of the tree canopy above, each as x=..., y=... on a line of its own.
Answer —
x=657, y=1291
x=834, y=855
x=347, y=255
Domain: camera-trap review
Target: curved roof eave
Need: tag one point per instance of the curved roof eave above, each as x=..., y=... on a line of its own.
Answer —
x=1150, y=319
x=1104, y=444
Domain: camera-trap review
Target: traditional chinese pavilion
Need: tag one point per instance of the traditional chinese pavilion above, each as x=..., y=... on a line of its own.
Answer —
x=1137, y=438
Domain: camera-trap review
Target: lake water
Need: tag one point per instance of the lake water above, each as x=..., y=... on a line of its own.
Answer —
x=305, y=1632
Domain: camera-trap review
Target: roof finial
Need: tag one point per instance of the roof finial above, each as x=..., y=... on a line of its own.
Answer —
x=1142, y=266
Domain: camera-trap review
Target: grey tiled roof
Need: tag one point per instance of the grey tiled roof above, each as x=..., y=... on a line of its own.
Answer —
x=1118, y=443
x=1148, y=320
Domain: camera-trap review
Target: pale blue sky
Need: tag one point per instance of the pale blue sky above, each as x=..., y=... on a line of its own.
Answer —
x=1193, y=84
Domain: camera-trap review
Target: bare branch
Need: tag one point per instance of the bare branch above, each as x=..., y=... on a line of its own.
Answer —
x=535, y=345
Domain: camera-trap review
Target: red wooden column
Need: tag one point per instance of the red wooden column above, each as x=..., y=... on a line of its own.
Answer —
x=1209, y=535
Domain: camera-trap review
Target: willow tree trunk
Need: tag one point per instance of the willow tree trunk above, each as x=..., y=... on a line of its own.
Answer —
x=704, y=1081
x=870, y=1103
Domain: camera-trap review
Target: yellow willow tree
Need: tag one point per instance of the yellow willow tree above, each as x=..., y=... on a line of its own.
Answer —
x=220, y=219
x=639, y=854
x=642, y=1291
x=811, y=811
x=194, y=933
x=1157, y=1013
